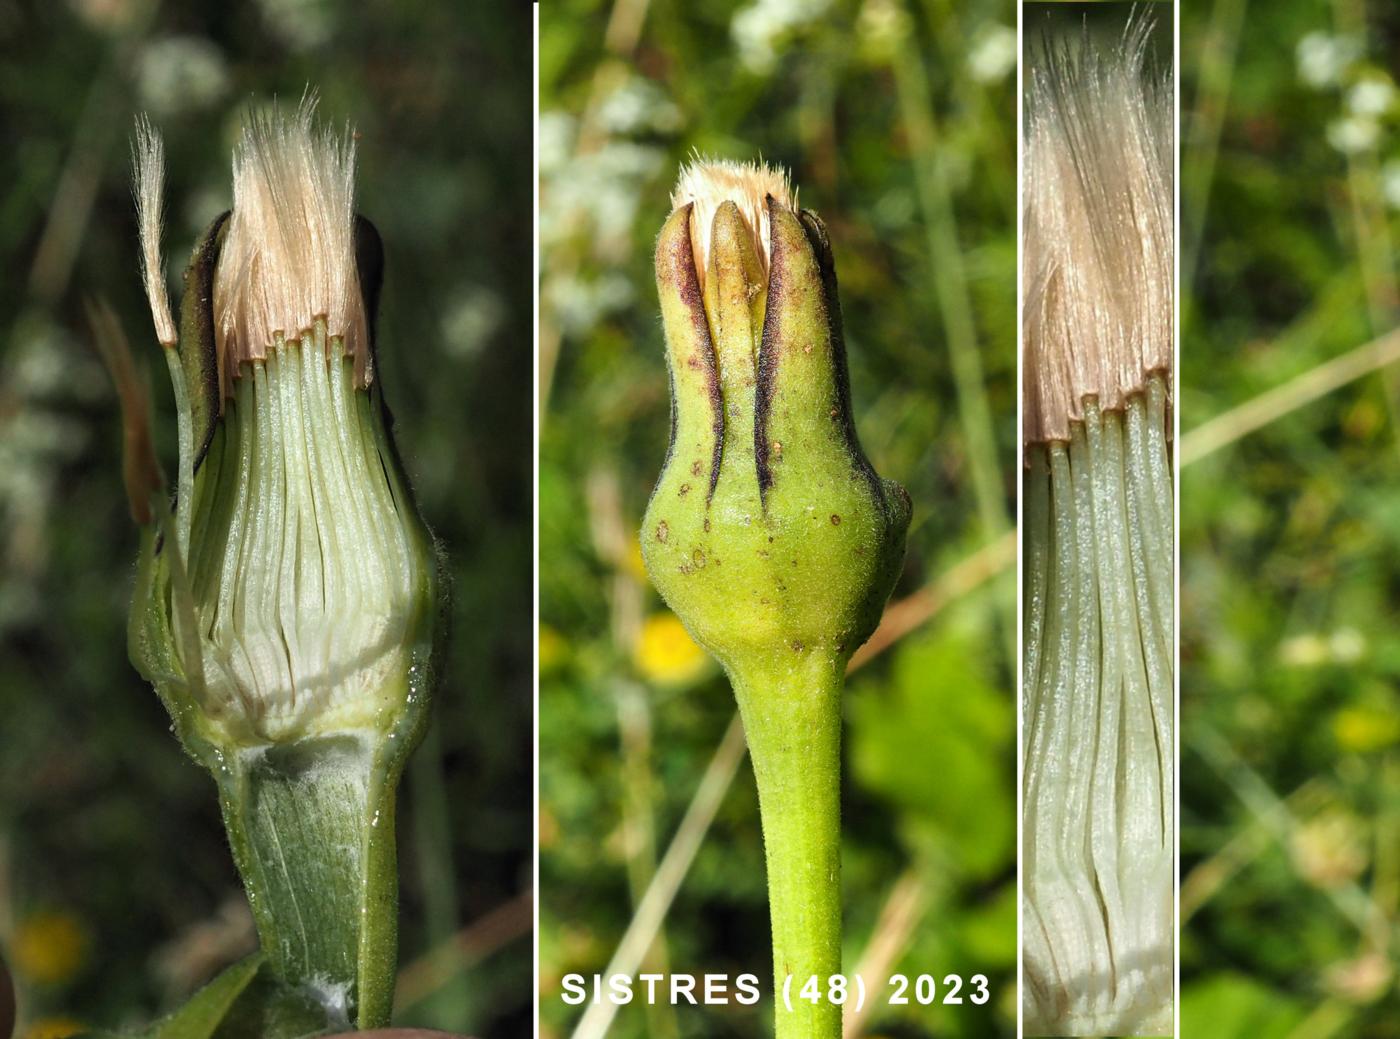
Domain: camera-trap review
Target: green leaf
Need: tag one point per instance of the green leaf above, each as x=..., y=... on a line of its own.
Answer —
x=210, y=1007
x=938, y=743
x=1232, y=1005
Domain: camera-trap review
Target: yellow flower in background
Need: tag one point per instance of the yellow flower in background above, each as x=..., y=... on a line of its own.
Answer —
x=49, y=947
x=1364, y=728
x=665, y=653
x=54, y=1028
x=554, y=648
x=633, y=563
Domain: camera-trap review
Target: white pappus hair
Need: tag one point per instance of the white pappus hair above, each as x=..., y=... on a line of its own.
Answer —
x=288, y=255
x=1098, y=254
x=706, y=184
x=148, y=185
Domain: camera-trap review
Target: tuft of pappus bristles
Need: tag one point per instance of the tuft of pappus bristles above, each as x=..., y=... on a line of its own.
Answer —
x=1099, y=227
x=706, y=184
x=289, y=254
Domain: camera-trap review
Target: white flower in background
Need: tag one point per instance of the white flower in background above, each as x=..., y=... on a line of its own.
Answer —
x=596, y=196
x=555, y=141
x=1323, y=58
x=1347, y=645
x=1314, y=649
x=1390, y=182
x=1372, y=96
x=180, y=74
x=579, y=304
x=473, y=315
x=758, y=28
x=1352, y=134
x=46, y=375
x=300, y=24
x=993, y=53
x=1308, y=650
x=590, y=197
x=639, y=106
x=880, y=28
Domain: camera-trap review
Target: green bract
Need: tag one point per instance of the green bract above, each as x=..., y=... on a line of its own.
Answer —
x=770, y=535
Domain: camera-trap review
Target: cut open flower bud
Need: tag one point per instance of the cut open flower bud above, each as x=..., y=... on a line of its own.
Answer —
x=1097, y=685
x=287, y=608
x=768, y=532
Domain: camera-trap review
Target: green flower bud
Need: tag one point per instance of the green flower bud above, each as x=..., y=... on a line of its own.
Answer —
x=288, y=610
x=768, y=527
x=768, y=533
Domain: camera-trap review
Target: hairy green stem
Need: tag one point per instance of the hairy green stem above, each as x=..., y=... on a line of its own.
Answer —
x=312, y=829
x=792, y=719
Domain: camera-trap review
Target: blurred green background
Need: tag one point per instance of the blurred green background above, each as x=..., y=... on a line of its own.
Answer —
x=117, y=893
x=897, y=121
x=1290, y=533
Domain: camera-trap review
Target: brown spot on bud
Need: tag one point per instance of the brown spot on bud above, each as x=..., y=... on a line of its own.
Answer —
x=695, y=468
x=797, y=647
x=663, y=531
x=685, y=489
x=698, y=558
x=707, y=524
x=835, y=520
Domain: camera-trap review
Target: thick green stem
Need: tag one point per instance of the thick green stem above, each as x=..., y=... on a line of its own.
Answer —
x=791, y=707
x=312, y=829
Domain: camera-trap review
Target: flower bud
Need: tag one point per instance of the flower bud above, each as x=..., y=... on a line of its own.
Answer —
x=288, y=608
x=308, y=598
x=768, y=527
